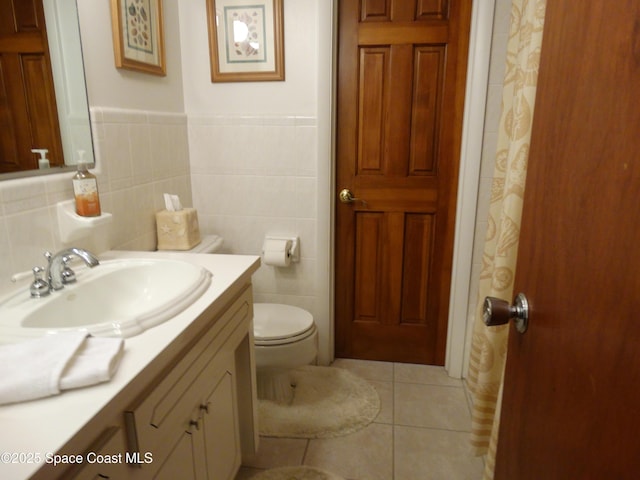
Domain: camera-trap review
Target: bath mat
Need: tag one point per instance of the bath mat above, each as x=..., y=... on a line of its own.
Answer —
x=327, y=402
x=295, y=473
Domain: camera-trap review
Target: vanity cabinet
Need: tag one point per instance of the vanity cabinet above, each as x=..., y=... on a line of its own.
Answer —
x=189, y=422
x=186, y=423
x=209, y=449
x=182, y=404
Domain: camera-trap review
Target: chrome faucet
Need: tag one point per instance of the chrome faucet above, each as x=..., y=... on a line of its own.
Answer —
x=58, y=273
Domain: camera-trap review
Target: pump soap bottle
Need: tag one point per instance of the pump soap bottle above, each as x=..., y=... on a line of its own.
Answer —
x=43, y=161
x=85, y=189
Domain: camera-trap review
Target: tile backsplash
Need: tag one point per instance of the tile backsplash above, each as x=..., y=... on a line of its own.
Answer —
x=251, y=176
x=258, y=175
x=140, y=155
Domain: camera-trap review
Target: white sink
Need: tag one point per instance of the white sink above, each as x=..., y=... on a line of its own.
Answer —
x=118, y=298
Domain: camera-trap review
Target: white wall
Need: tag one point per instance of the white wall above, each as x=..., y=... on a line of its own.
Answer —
x=261, y=155
x=297, y=95
x=119, y=88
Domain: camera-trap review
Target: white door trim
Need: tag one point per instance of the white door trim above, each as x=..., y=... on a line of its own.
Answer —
x=470, y=156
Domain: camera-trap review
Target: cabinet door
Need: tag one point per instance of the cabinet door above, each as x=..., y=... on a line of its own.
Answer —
x=107, y=457
x=167, y=410
x=189, y=421
x=220, y=429
x=182, y=462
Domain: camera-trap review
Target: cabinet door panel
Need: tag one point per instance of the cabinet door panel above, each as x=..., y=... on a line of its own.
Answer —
x=181, y=462
x=220, y=428
x=110, y=447
x=168, y=409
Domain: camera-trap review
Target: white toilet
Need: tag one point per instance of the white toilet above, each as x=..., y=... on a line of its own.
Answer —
x=285, y=338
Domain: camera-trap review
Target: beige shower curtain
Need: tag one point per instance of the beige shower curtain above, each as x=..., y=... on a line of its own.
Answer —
x=489, y=345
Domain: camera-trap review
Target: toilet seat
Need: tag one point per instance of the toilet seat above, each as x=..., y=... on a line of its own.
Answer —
x=285, y=341
x=278, y=324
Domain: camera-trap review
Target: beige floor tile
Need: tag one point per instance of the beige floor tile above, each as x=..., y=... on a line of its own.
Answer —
x=364, y=455
x=431, y=406
x=429, y=441
x=427, y=454
x=427, y=374
x=385, y=392
x=277, y=452
x=246, y=473
x=371, y=370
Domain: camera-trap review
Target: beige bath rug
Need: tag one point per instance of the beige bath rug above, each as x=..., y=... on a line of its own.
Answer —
x=327, y=402
x=295, y=473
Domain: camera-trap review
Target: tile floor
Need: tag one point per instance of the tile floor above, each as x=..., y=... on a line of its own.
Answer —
x=421, y=432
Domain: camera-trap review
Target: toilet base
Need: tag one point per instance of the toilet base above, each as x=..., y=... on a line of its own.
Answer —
x=274, y=384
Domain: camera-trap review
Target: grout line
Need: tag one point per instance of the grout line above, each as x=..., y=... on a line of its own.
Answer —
x=439, y=429
x=306, y=450
x=430, y=384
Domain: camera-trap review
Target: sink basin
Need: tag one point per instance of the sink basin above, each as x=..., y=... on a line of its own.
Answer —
x=118, y=298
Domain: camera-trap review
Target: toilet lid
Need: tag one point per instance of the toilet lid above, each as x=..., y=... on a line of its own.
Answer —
x=274, y=321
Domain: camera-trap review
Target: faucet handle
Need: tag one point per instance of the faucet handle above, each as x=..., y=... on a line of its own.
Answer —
x=68, y=275
x=49, y=256
x=39, y=287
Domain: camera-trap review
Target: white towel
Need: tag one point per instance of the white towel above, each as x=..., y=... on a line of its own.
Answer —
x=44, y=366
x=96, y=361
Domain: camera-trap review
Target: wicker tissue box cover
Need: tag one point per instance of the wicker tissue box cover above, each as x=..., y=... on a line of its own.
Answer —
x=178, y=230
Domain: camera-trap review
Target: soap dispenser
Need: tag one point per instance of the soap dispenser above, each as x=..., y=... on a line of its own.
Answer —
x=85, y=189
x=43, y=161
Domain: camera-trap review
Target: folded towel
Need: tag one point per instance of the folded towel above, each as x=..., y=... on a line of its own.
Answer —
x=96, y=361
x=44, y=366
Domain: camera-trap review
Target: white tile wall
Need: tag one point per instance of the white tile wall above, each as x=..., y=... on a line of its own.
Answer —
x=251, y=176
x=140, y=155
x=145, y=155
x=257, y=175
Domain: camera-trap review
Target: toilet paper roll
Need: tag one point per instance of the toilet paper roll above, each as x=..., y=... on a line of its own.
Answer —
x=275, y=252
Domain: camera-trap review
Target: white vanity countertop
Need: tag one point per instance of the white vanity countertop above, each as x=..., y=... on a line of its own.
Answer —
x=34, y=429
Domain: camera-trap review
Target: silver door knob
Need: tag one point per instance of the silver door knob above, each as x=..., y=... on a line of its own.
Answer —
x=496, y=311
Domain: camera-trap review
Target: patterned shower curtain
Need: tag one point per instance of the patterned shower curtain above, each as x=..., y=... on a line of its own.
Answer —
x=489, y=345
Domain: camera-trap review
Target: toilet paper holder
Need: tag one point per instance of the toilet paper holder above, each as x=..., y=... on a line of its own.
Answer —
x=292, y=248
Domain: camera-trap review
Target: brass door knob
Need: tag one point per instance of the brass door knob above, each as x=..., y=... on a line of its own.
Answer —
x=346, y=196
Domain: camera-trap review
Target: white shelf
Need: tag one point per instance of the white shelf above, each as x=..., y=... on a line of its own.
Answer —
x=74, y=227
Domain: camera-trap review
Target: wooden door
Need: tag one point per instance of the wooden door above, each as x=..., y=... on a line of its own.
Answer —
x=571, y=405
x=401, y=79
x=28, y=111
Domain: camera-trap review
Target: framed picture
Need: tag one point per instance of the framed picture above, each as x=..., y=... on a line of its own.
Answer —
x=246, y=41
x=138, y=37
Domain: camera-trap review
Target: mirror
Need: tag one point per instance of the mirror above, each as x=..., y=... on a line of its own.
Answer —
x=60, y=18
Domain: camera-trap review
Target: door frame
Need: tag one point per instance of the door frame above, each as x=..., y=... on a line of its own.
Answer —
x=460, y=316
x=480, y=41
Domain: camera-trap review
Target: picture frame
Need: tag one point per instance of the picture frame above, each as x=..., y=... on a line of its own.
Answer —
x=246, y=40
x=138, y=35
